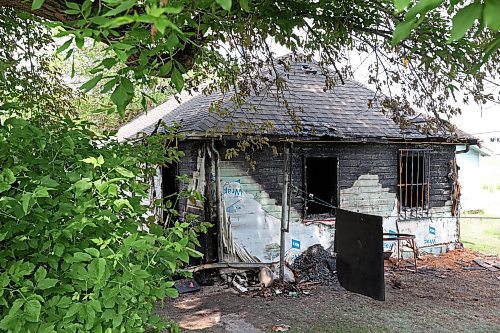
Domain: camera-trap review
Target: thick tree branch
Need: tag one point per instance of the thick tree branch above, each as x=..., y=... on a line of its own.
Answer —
x=52, y=10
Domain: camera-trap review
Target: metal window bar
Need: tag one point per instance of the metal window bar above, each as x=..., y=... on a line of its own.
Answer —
x=414, y=182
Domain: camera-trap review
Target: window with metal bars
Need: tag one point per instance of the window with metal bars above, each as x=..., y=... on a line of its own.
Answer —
x=414, y=182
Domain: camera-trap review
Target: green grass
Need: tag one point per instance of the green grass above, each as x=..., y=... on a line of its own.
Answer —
x=481, y=235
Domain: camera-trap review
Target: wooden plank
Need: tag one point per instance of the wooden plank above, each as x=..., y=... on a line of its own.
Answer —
x=486, y=265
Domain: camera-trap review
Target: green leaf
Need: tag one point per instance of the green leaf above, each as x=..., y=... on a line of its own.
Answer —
x=166, y=68
x=225, y=4
x=25, y=201
x=93, y=252
x=172, y=10
x=83, y=185
x=32, y=309
x=177, y=79
x=422, y=7
x=244, y=5
x=96, y=305
x=64, y=302
x=171, y=292
x=90, y=84
x=119, y=203
x=171, y=42
x=491, y=14
x=9, y=176
x=109, y=62
x=101, y=268
x=108, y=85
x=81, y=256
x=46, y=328
x=49, y=182
x=161, y=24
x=40, y=274
x=183, y=256
x=37, y=4
x=401, y=5
x=63, y=47
x=90, y=317
x=463, y=20
x=59, y=249
x=120, y=8
x=120, y=97
x=73, y=5
x=124, y=172
x=99, y=20
x=119, y=21
x=47, y=283
x=79, y=41
x=41, y=192
x=402, y=31
x=73, y=309
x=490, y=48
x=4, y=187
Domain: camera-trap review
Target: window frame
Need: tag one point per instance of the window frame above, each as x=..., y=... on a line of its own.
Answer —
x=406, y=207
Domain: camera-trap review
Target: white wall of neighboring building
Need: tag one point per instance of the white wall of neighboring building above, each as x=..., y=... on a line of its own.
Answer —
x=472, y=175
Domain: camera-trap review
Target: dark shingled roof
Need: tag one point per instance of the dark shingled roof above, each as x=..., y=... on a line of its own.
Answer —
x=341, y=113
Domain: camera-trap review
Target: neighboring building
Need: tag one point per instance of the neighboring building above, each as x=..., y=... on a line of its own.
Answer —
x=344, y=153
x=472, y=176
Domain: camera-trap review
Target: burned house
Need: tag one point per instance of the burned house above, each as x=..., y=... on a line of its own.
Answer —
x=343, y=152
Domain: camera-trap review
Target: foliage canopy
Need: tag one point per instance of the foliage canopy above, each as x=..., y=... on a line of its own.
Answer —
x=79, y=252
x=429, y=53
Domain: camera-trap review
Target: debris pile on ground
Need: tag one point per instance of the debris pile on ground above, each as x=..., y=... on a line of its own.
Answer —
x=285, y=289
x=240, y=280
x=316, y=264
x=491, y=265
x=464, y=259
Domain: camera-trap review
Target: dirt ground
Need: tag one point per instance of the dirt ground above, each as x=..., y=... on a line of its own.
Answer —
x=449, y=294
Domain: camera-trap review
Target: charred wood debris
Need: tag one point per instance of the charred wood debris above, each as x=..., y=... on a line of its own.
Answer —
x=315, y=266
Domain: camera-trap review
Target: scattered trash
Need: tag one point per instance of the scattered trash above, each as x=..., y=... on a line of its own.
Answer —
x=288, y=276
x=280, y=328
x=316, y=264
x=186, y=286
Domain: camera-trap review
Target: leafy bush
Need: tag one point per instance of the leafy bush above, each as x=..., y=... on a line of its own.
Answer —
x=78, y=252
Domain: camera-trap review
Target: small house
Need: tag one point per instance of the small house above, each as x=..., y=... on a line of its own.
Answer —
x=344, y=151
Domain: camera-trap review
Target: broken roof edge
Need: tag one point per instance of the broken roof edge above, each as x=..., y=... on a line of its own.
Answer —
x=198, y=136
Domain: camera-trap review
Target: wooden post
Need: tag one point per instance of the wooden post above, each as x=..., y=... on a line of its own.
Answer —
x=284, y=201
x=218, y=202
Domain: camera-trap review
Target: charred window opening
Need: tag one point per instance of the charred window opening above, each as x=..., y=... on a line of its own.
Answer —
x=321, y=185
x=413, y=182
